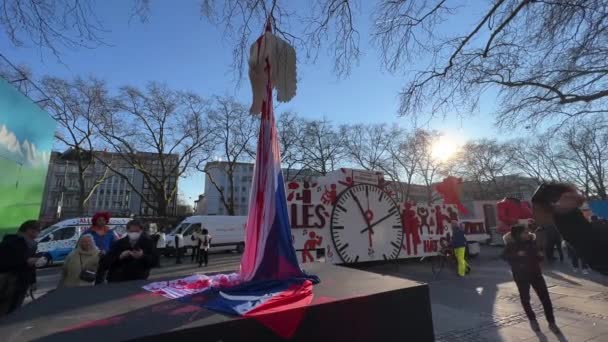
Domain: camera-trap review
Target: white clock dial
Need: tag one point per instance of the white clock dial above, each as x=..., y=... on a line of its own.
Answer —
x=366, y=225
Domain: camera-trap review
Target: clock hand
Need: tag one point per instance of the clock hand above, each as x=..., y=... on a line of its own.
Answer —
x=376, y=223
x=361, y=209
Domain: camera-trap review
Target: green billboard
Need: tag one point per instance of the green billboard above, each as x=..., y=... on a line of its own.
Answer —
x=26, y=139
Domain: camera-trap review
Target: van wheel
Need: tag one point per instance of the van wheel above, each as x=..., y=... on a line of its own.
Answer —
x=240, y=248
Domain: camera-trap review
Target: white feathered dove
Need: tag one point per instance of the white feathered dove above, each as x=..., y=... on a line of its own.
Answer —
x=282, y=59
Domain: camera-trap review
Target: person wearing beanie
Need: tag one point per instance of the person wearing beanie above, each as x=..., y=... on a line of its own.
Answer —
x=524, y=256
x=103, y=238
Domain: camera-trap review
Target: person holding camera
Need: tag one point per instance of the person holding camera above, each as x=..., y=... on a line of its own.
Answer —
x=80, y=266
x=131, y=257
x=523, y=255
x=559, y=204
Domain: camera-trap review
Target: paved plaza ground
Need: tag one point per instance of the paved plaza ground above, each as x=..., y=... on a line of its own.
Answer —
x=481, y=307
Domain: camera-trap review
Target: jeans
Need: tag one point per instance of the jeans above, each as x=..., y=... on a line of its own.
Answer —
x=462, y=263
x=203, y=256
x=540, y=287
x=575, y=259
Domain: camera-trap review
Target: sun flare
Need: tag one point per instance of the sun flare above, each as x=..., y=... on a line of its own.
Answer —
x=445, y=147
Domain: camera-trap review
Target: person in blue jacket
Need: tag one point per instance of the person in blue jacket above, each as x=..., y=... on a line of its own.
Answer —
x=459, y=244
x=104, y=239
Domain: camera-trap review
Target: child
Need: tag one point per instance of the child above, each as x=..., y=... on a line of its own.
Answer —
x=204, y=244
x=523, y=255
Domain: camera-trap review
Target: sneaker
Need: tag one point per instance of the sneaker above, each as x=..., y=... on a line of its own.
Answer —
x=534, y=325
x=585, y=271
x=555, y=329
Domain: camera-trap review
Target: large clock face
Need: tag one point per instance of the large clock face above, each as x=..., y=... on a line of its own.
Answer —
x=366, y=225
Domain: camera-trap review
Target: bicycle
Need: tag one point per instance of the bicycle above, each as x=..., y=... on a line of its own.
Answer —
x=438, y=262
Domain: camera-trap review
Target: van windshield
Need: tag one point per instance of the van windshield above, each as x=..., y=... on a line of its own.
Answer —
x=180, y=228
x=46, y=230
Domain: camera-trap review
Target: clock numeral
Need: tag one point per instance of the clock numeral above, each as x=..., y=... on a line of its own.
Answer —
x=357, y=258
x=384, y=257
x=341, y=208
x=338, y=227
x=381, y=197
x=366, y=191
x=396, y=245
x=397, y=227
x=392, y=211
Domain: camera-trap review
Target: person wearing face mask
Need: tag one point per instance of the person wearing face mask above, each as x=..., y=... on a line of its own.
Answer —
x=131, y=257
x=18, y=264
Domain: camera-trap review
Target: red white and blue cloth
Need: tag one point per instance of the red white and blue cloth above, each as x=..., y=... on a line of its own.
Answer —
x=270, y=278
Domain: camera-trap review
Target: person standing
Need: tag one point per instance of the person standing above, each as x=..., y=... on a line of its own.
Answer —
x=459, y=244
x=576, y=261
x=196, y=244
x=204, y=244
x=131, y=257
x=80, y=266
x=18, y=263
x=522, y=253
x=104, y=238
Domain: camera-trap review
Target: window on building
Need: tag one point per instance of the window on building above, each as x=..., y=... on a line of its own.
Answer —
x=243, y=189
x=59, y=181
x=243, y=199
x=101, y=191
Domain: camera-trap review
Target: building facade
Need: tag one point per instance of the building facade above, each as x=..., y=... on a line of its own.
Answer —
x=114, y=194
x=216, y=174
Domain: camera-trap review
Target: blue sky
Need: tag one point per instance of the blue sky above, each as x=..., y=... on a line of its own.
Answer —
x=179, y=48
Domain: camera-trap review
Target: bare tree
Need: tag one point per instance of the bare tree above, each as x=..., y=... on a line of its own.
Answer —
x=587, y=144
x=406, y=151
x=234, y=131
x=547, y=59
x=290, y=130
x=79, y=106
x=429, y=166
x=488, y=164
x=367, y=146
x=322, y=146
x=313, y=24
x=57, y=24
x=541, y=157
x=161, y=133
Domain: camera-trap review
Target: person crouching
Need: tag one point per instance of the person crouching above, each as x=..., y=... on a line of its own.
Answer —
x=522, y=253
x=131, y=257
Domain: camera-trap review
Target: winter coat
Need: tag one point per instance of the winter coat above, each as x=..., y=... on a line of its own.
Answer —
x=14, y=252
x=458, y=238
x=102, y=241
x=523, y=256
x=589, y=240
x=131, y=268
x=73, y=265
x=204, y=241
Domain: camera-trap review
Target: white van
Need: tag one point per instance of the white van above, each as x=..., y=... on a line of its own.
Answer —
x=57, y=241
x=227, y=232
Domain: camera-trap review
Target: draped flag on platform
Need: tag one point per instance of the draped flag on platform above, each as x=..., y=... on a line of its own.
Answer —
x=270, y=279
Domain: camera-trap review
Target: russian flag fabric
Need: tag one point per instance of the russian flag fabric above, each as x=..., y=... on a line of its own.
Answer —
x=270, y=279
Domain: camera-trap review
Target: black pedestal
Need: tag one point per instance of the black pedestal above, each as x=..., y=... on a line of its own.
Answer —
x=349, y=305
